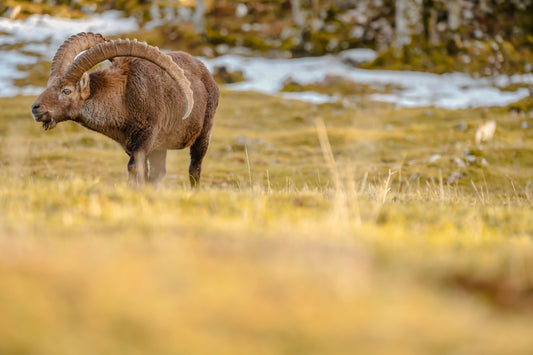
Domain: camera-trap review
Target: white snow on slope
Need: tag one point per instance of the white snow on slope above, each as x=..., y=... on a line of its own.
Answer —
x=42, y=35
x=410, y=89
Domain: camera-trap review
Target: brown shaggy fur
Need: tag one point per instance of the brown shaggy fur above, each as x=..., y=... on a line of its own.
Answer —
x=137, y=104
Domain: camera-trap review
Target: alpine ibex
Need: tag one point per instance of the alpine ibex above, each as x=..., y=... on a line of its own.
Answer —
x=135, y=101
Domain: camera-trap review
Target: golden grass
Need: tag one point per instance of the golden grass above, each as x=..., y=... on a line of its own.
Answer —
x=318, y=230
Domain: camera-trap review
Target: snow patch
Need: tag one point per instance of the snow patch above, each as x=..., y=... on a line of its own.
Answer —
x=41, y=28
x=409, y=88
x=41, y=35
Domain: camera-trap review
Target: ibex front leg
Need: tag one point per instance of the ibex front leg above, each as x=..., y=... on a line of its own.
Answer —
x=137, y=168
x=157, y=160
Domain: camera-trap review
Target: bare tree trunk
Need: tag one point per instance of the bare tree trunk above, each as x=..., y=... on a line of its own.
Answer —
x=433, y=34
x=454, y=14
x=297, y=13
x=198, y=17
x=408, y=21
x=314, y=15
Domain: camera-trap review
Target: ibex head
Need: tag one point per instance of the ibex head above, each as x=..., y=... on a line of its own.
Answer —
x=69, y=83
x=63, y=98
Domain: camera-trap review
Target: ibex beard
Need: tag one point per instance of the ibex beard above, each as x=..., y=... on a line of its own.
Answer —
x=45, y=117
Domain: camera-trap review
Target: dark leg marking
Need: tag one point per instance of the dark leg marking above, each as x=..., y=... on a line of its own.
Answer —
x=198, y=151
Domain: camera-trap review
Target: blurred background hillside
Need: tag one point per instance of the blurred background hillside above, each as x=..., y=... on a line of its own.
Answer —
x=481, y=37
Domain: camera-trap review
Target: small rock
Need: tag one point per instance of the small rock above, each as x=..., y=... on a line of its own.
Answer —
x=465, y=59
x=242, y=10
x=208, y=52
x=222, y=49
x=223, y=74
x=358, y=56
x=456, y=175
x=348, y=103
x=357, y=32
x=462, y=126
x=242, y=51
x=434, y=158
x=485, y=132
x=242, y=141
x=460, y=163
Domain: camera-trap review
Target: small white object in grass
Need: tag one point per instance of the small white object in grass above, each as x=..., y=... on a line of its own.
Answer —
x=41, y=35
x=434, y=158
x=470, y=158
x=460, y=163
x=485, y=132
x=456, y=175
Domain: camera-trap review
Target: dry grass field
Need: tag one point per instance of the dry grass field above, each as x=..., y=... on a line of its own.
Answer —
x=318, y=230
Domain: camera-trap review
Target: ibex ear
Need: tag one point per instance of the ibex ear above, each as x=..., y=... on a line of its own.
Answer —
x=85, y=87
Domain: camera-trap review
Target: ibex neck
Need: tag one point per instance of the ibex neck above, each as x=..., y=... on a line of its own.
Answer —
x=103, y=118
x=103, y=110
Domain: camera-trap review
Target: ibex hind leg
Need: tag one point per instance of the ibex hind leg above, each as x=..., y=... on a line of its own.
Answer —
x=158, y=170
x=198, y=151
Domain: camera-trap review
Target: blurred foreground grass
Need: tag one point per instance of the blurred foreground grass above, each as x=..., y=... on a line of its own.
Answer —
x=406, y=238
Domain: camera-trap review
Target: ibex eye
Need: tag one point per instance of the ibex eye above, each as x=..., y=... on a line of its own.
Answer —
x=67, y=91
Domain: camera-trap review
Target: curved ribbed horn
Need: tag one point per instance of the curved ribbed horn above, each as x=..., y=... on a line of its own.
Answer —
x=127, y=48
x=71, y=48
